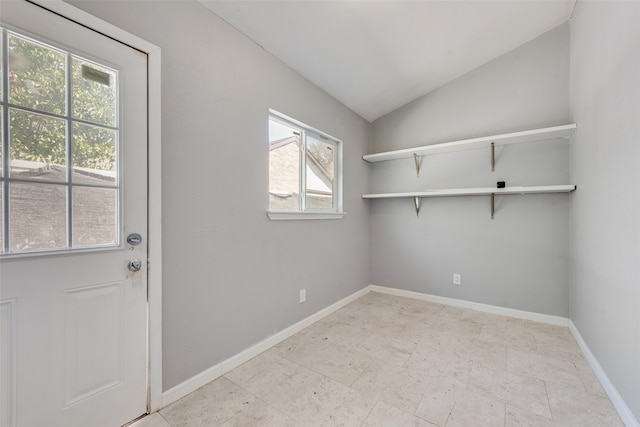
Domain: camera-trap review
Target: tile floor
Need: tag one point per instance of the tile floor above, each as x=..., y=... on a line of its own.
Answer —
x=390, y=361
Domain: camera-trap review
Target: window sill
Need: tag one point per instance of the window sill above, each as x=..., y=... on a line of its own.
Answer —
x=280, y=216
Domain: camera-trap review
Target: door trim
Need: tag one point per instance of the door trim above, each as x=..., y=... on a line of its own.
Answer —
x=154, y=278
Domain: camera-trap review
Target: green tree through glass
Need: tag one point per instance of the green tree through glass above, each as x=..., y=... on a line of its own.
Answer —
x=37, y=80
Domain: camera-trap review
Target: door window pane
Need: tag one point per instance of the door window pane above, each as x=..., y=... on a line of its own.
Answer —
x=59, y=111
x=319, y=173
x=37, y=146
x=1, y=218
x=38, y=216
x=93, y=93
x=1, y=65
x=284, y=167
x=1, y=138
x=95, y=216
x=94, y=154
x=37, y=76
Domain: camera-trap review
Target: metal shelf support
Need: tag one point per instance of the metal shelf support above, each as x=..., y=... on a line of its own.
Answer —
x=493, y=204
x=493, y=157
x=416, y=159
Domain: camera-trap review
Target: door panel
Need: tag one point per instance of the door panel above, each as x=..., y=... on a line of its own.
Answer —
x=74, y=317
x=8, y=362
x=92, y=341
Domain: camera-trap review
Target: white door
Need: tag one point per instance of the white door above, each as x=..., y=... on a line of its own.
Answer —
x=73, y=312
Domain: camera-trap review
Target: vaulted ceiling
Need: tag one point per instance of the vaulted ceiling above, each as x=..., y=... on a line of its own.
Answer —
x=378, y=55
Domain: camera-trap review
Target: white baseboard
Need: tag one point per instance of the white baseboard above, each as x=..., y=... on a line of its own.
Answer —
x=625, y=413
x=205, y=377
x=493, y=309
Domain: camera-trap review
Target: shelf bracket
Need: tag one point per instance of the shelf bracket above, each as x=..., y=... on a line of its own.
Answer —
x=493, y=204
x=493, y=157
x=416, y=159
x=416, y=204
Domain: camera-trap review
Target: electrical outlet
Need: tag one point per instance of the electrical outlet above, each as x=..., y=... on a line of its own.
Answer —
x=303, y=295
x=457, y=279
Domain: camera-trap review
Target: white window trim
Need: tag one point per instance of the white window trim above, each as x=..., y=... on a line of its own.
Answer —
x=290, y=215
x=333, y=213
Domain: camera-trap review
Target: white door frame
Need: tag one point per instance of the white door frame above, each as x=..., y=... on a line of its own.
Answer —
x=154, y=277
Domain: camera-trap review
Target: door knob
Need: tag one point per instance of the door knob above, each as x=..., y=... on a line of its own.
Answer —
x=135, y=265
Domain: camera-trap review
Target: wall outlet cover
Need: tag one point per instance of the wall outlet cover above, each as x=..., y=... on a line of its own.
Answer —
x=457, y=279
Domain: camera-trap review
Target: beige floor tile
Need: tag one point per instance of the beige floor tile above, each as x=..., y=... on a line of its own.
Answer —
x=455, y=326
x=519, y=417
x=259, y=413
x=535, y=328
x=386, y=348
x=424, y=335
x=435, y=363
x=382, y=301
x=274, y=379
x=524, y=392
x=349, y=335
x=211, y=405
x=398, y=386
x=439, y=399
x=153, y=420
x=472, y=409
x=515, y=339
x=260, y=364
x=429, y=361
x=589, y=380
x=385, y=415
x=490, y=354
x=391, y=361
x=372, y=299
x=461, y=344
x=332, y=360
x=375, y=320
x=543, y=367
x=330, y=403
x=561, y=346
x=488, y=321
x=294, y=343
x=398, y=305
x=451, y=312
x=572, y=406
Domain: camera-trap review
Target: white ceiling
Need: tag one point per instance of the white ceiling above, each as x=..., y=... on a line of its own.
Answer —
x=376, y=56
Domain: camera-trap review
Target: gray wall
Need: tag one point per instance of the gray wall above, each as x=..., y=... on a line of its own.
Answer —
x=605, y=154
x=518, y=260
x=231, y=276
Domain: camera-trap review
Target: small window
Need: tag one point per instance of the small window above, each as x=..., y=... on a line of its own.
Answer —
x=304, y=170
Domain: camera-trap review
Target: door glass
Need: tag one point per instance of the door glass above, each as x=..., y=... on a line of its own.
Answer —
x=95, y=212
x=45, y=136
x=38, y=216
x=93, y=92
x=1, y=145
x=37, y=76
x=1, y=65
x=94, y=155
x=37, y=146
x=1, y=183
x=1, y=217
